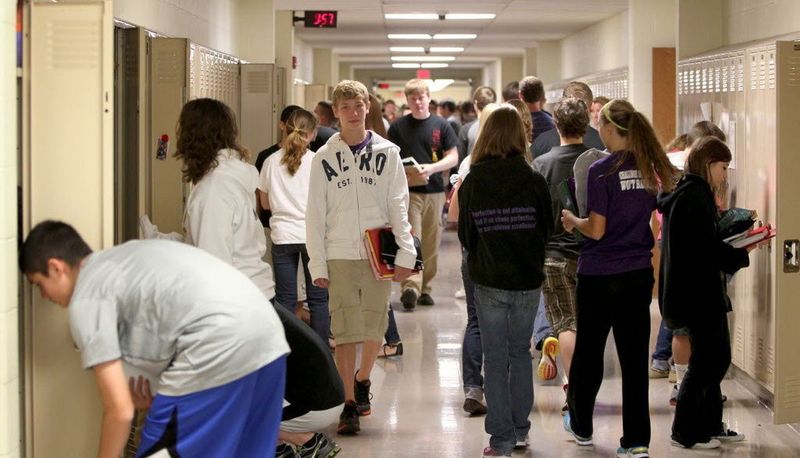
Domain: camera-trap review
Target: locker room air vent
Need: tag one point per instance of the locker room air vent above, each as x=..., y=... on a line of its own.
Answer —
x=792, y=69
x=166, y=66
x=258, y=83
x=73, y=44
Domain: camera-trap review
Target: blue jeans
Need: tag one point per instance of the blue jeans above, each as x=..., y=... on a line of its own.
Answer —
x=285, y=259
x=471, y=352
x=506, y=319
x=541, y=327
x=392, y=336
x=663, y=351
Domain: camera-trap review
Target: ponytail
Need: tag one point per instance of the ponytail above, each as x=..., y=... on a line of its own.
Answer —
x=295, y=145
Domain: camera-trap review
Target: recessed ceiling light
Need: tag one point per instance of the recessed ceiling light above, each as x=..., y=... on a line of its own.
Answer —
x=446, y=49
x=423, y=58
x=418, y=16
x=409, y=36
x=406, y=65
x=407, y=49
x=455, y=36
x=435, y=65
x=457, y=16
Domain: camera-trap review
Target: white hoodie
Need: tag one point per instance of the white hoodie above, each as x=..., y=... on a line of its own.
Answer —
x=350, y=193
x=221, y=218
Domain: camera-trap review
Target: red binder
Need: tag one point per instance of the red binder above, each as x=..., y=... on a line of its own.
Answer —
x=381, y=258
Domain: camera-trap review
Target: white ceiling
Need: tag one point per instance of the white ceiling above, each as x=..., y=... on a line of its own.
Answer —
x=360, y=37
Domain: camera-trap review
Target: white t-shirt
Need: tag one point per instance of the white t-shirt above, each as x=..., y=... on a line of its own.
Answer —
x=288, y=197
x=173, y=311
x=221, y=218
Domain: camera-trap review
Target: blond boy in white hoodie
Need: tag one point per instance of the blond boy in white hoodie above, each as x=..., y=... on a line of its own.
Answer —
x=357, y=183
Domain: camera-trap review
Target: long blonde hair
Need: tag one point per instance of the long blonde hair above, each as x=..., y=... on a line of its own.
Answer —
x=502, y=135
x=651, y=160
x=298, y=126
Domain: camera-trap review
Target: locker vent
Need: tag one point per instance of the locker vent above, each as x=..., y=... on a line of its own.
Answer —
x=792, y=69
x=791, y=393
x=166, y=68
x=73, y=44
x=771, y=71
x=258, y=83
x=738, y=344
x=740, y=74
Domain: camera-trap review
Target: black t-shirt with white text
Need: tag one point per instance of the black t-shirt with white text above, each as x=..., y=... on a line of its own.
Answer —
x=426, y=140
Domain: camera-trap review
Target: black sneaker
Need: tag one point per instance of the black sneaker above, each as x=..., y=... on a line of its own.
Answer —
x=409, y=299
x=348, y=420
x=363, y=396
x=285, y=451
x=319, y=446
x=474, y=407
x=425, y=299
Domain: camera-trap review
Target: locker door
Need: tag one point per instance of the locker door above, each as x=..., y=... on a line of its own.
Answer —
x=315, y=93
x=257, y=121
x=280, y=99
x=787, y=313
x=168, y=83
x=68, y=175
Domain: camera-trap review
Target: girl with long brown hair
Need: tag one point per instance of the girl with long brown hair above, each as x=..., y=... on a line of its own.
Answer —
x=615, y=274
x=283, y=189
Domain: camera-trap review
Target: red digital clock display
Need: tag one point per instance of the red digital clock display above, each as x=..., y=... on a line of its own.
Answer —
x=321, y=19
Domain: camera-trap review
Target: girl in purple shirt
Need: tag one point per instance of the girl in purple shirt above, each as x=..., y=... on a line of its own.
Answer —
x=615, y=274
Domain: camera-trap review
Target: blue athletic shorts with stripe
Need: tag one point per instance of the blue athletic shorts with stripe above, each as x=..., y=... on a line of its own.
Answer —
x=238, y=419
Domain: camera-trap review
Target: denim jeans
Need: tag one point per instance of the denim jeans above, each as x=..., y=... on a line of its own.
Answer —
x=506, y=319
x=285, y=259
x=392, y=336
x=541, y=327
x=471, y=352
x=663, y=351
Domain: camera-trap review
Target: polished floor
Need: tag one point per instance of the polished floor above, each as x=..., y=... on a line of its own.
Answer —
x=416, y=410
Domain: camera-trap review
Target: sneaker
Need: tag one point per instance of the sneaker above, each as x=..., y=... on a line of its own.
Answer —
x=673, y=375
x=728, y=435
x=547, y=369
x=522, y=442
x=474, y=407
x=583, y=441
x=633, y=452
x=319, y=446
x=425, y=299
x=461, y=294
x=363, y=397
x=348, y=420
x=409, y=299
x=673, y=395
x=659, y=369
x=489, y=452
x=285, y=450
x=712, y=443
x=565, y=407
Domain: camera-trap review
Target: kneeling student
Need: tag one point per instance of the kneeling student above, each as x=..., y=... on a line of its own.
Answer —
x=207, y=334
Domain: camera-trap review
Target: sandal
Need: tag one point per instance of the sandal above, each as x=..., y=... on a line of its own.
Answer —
x=392, y=350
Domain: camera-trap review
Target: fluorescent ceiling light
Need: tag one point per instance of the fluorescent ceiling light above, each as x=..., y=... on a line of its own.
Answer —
x=423, y=58
x=418, y=16
x=455, y=36
x=406, y=65
x=409, y=36
x=435, y=65
x=458, y=16
x=438, y=85
x=407, y=49
x=446, y=49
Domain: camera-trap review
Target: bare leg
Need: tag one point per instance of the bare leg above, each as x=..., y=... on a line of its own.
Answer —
x=346, y=366
x=566, y=341
x=369, y=353
x=681, y=349
x=294, y=438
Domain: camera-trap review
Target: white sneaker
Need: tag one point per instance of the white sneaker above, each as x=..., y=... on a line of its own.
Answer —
x=728, y=435
x=523, y=442
x=712, y=443
x=461, y=294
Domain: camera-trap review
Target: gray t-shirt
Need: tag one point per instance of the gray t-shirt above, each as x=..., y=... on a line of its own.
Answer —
x=174, y=311
x=581, y=171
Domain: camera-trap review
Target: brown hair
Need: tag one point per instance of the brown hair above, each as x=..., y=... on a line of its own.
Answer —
x=703, y=129
x=502, y=135
x=483, y=96
x=601, y=100
x=642, y=145
x=374, y=121
x=531, y=89
x=298, y=126
x=571, y=117
x=525, y=114
x=416, y=86
x=205, y=127
x=348, y=90
x=678, y=143
x=705, y=152
x=579, y=90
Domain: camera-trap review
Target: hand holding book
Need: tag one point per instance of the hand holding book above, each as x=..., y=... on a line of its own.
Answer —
x=752, y=238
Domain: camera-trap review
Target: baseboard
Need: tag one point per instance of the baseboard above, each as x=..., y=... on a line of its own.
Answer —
x=764, y=396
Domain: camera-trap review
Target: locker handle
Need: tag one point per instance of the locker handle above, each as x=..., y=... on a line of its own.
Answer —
x=791, y=256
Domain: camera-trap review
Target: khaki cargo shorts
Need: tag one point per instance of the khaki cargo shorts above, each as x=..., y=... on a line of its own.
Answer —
x=358, y=303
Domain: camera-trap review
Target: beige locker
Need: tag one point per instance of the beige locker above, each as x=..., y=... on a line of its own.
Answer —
x=68, y=175
x=612, y=84
x=280, y=99
x=314, y=93
x=258, y=119
x=299, y=95
x=168, y=89
x=214, y=75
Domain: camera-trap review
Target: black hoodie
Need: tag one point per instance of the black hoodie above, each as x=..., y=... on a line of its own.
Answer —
x=691, y=286
x=505, y=218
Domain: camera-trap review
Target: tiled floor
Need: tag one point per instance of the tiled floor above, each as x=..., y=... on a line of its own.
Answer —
x=417, y=398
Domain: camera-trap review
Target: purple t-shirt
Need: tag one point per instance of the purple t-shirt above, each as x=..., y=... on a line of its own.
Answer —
x=620, y=197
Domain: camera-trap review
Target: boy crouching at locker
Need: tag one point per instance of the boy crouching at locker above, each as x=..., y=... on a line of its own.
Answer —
x=202, y=329
x=357, y=183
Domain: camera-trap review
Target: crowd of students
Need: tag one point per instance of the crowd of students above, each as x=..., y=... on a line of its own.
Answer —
x=554, y=217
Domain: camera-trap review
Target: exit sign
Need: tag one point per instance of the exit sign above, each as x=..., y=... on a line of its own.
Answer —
x=321, y=19
x=424, y=74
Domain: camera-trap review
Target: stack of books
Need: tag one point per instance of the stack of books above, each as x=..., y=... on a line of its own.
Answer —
x=751, y=236
x=382, y=250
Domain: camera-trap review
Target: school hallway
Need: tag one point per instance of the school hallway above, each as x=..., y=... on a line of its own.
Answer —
x=417, y=404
